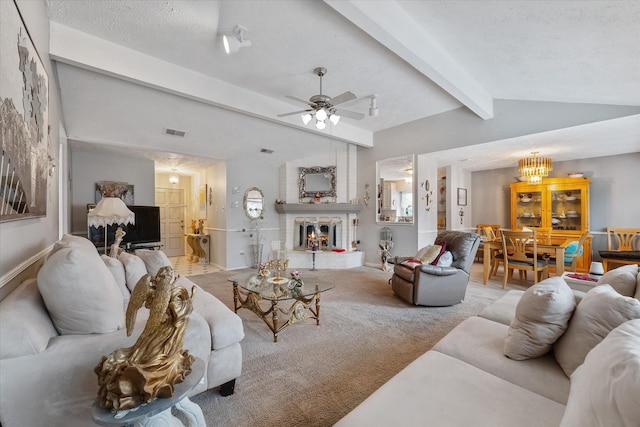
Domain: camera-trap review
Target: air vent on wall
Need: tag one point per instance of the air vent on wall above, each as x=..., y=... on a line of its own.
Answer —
x=266, y=150
x=174, y=132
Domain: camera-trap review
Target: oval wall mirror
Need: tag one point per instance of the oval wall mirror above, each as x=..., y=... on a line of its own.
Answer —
x=253, y=203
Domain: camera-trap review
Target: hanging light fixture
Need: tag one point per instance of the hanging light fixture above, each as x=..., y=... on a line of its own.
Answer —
x=234, y=41
x=174, y=178
x=535, y=168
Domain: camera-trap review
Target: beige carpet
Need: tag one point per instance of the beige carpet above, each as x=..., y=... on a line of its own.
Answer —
x=314, y=375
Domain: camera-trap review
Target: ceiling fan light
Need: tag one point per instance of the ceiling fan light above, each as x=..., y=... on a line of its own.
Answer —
x=234, y=41
x=306, y=118
x=334, y=119
x=320, y=124
x=321, y=114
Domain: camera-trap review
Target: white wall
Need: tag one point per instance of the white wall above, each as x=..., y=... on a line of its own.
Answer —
x=20, y=240
x=89, y=167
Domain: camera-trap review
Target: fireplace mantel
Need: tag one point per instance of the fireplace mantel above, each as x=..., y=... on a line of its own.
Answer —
x=317, y=207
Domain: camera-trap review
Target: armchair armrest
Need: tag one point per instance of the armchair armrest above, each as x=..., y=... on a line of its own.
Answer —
x=437, y=270
x=399, y=259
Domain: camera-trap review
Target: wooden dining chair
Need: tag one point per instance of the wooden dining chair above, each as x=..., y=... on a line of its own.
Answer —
x=491, y=233
x=543, y=234
x=485, y=234
x=516, y=245
x=571, y=259
x=620, y=240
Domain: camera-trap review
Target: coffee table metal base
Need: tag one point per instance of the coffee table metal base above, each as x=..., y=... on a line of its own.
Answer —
x=301, y=309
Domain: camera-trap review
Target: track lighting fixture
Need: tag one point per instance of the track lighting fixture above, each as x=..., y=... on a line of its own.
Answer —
x=234, y=41
x=373, y=107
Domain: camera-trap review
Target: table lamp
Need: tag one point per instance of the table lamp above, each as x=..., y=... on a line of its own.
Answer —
x=108, y=211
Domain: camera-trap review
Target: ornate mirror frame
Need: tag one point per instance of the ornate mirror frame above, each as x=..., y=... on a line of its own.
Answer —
x=303, y=174
x=253, y=204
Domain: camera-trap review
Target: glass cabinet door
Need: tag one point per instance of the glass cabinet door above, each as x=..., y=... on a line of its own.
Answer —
x=529, y=209
x=566, y=210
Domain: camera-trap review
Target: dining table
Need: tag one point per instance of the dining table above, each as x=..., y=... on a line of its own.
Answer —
x=557, y=249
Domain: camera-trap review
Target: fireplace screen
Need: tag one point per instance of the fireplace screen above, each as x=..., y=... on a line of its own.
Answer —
x=313, y=233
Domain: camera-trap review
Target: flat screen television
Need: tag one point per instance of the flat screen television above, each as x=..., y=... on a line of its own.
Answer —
x=146, y=229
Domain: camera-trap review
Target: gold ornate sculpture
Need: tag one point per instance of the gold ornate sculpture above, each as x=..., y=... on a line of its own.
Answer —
x=130, y=377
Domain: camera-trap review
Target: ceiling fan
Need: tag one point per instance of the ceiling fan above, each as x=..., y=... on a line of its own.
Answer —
x=323, y=106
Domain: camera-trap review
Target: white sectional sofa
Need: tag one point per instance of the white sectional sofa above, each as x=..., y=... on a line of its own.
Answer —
x=466, y=379
x=55, y=329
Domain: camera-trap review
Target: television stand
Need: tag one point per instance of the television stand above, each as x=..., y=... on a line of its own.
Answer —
x=130, y=247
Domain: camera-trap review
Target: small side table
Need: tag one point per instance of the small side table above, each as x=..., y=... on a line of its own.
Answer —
x=158, y=412
x=581, y=282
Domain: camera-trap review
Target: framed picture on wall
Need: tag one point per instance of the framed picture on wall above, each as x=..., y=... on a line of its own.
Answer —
x=202, y=198
x=27, y=154
x=462, y=197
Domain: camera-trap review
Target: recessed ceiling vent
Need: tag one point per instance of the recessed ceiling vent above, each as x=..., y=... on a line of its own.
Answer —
x=175, y=132
x=266, y=150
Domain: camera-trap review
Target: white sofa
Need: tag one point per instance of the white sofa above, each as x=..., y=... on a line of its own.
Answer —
x=47, y=361
x=466, y=379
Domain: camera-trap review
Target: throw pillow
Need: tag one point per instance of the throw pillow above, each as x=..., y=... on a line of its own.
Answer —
x=445, y=260
x=542, y=316
x=571, y=249
x=622, y=279
x=637, y=296
x=601, y=310
x=605, y=388
x=153, y=260
x=71, y=241
x=411, y=263
x=116, y=268
x=443, y=249
x=428, y=254
x=80, y=293
x=134, y=268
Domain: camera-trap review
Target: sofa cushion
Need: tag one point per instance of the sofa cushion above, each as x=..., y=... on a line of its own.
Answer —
x=429, y=253
x=542, y=316
x=637, y=296
x=116, y=268
x=601, y=310
x=445, y=260
x=134, y=268
x=25, y=325
x=226, y=326
x=479, y=342
x=439, y=390
x=80, y=293
x=503, y=310
x=622, y=279
x=605, y=389
x=153, y=260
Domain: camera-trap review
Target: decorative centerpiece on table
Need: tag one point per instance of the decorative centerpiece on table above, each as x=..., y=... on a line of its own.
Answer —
x=278, y=265
x=295, y=284
x=263, y=269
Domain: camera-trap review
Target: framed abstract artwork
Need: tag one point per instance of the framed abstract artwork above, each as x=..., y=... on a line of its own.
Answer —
x=462, y=197
x=121, y=190
x=24, y=128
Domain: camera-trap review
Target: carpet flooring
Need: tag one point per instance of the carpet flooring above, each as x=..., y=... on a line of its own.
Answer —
x=314, y=375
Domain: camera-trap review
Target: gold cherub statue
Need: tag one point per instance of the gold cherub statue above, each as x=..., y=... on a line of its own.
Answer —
x=129, y=377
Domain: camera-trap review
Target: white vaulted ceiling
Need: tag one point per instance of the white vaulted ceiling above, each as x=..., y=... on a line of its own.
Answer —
x=129, y=69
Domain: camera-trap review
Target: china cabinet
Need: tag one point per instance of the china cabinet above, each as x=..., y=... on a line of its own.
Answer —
x=559, y=203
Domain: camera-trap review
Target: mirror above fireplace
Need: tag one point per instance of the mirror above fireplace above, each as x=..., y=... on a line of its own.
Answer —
x=317, y=182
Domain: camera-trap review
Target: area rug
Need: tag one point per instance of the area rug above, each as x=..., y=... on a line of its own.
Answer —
x=314, y=375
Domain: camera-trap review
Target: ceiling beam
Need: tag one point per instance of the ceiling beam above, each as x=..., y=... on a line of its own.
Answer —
x=82, y=50
x=390, y=25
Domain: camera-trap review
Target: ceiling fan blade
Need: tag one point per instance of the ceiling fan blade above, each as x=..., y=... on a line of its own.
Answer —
x=295, y=98
x=347, y=96
x=350, y=114
x=295, y=112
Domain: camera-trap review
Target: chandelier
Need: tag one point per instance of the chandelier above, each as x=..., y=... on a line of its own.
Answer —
x=535, y=168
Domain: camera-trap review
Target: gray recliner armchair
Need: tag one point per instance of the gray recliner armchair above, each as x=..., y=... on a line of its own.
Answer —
x=432, y=285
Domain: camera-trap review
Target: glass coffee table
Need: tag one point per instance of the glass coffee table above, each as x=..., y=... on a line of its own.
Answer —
x=249, y=289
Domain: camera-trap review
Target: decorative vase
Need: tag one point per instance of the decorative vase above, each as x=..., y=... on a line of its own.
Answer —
x=257, y=253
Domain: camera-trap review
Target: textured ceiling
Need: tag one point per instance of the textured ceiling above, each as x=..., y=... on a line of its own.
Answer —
x=563, y=51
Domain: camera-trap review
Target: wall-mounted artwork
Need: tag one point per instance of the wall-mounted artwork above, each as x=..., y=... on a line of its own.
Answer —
x=24, y=121
x=202, y=198
x=121, y=190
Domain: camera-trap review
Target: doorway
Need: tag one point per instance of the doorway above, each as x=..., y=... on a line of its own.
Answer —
x=171, y=204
